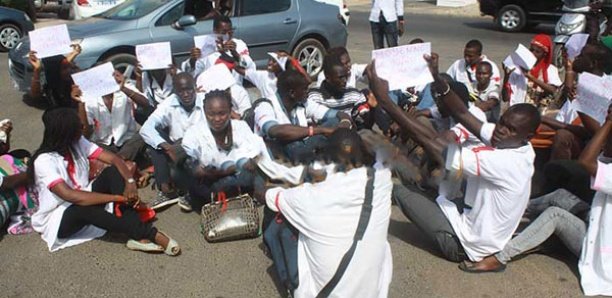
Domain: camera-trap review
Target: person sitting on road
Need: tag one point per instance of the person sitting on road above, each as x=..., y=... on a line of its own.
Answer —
x=164, y=130
x=464, y=70
x=265, y=80
x=486, y=91
x=57, y=81
x=538, y=85
x=220, y=152
x=327, y=223
x=356, y=72
x=109, y=120
x=232, y=52
x=498, y=177
x=285, y=124
x=587, y=240
x=156, y=85
x=74, y=209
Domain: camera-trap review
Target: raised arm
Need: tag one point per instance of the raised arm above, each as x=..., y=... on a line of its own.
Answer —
x=588, y=157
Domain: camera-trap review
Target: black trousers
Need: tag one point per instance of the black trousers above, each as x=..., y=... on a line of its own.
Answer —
x=76, y=217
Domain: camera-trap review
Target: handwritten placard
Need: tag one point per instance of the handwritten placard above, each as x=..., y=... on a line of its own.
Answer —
x=403, y=66
x=575, y=44
x=593, y=96
x=96, y=81
x=154, y=55
x=217, y=77
x=523, y=58
x=206, y=43
x=50, y=41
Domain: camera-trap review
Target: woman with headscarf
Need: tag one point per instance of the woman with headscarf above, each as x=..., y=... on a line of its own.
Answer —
x=538, y=85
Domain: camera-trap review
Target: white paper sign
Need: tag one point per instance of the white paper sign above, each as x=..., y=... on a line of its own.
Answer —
x=50, y=41
x=523, y=57
x=403, y=66
x=575, y=44
x=154, y=55
x=509, y=63
x=218, y=77
x=206, y=43
x=593, y=96
x=96, y=81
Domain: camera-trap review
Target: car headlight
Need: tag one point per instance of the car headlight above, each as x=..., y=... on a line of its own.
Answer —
x=27, y=17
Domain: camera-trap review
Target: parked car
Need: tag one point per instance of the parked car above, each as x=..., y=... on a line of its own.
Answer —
x=515, y=15
x=27, y=6
x=87, y=8
x=14, y=24
x=304, y=28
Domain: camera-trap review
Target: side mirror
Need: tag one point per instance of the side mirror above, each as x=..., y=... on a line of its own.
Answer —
x=184, y=21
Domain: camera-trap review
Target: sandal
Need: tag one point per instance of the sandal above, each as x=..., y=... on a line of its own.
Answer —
x=470, y=267
x=146, y=247
x=173, y=249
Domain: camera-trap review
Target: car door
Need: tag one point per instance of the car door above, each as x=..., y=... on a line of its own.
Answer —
x=181, y=40
x=267, y=26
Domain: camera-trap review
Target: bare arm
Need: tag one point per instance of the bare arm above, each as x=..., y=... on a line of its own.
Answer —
x=75, y=94
x=35, y=86
x=84, y=198
x=288, y=132
x=130, y=191
x=13, y=181
x=548, y=88
x=588, y=157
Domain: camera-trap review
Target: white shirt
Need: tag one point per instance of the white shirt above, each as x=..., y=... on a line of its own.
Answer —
x=264, y=81
x=270, y=114
x=595, y=262
x=245, y=60
x=519, y=84
x=498, y=188
x=118, y=125
x=170, y=114
x=327, y=225
x=241, y=101
x=357, y=74
x=390, y=9
x=155, y=93
x=51, y=169
x=200, y=144
x=465, y=74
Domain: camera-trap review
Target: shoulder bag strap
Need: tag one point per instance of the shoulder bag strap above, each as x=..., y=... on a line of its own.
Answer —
x=364, y=219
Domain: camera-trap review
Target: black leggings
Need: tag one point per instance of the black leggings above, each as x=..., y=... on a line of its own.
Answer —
x=76, y=217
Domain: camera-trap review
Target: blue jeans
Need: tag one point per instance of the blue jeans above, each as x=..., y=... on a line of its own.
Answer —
x=308, y=149
x=384, y=30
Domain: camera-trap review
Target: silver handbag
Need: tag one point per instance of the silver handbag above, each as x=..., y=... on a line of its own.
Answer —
x=230, y=219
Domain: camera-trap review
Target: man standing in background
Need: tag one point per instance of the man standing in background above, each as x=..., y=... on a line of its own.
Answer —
x=387, y=22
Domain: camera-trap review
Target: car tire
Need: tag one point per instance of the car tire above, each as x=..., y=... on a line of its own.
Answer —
x=558, y=58
x=9, y=36
x=310, y=53
x=121, y=61
x=64, y=12
x=511, y=18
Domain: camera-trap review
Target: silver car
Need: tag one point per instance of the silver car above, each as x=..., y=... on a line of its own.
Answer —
x=304, y=28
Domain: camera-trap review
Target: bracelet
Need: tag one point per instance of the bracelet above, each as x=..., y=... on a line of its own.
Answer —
x=448, y=89
x=349, y=122
x=310, y=131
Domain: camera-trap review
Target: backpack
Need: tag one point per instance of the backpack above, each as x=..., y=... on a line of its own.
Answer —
x=249, y=115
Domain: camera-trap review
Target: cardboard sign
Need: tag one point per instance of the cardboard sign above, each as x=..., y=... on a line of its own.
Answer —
x=217, y=77
x=575, y=44
x=593, y=96
x=403, y=66
x=154, y=55
x=96, y=81
x=50, y=41
x=206, y=43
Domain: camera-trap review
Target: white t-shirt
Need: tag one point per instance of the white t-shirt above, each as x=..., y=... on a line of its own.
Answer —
x=498, y=188
x=51, y=169
x=270, y=114
x=200, y=144
x=118, y=125
x=357, y=74
x=263, y=80
x=327, y=225
x=155, y=93
x=595, y=263
x=241, y=101
x=519, y=83
x=462, y=73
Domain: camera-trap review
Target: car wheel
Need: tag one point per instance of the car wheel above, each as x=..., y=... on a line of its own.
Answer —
x=310, y=53
x=9, y=36
x=558, y=59
x=511, y=18
x=64, y=12
x=122, y=61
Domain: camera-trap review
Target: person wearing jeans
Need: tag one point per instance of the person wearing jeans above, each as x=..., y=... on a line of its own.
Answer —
x=387, y=22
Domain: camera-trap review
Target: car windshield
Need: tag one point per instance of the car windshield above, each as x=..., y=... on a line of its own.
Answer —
x=132, y=9
x=576, y=3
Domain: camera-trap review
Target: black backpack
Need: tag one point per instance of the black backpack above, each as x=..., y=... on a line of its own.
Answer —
x=249, y=115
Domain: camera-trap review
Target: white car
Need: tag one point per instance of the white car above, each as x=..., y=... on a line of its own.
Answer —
x=87, y=8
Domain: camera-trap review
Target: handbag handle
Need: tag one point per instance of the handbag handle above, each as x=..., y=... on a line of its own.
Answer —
x=221, y=197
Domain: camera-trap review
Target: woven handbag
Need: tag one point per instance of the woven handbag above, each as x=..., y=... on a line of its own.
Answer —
x=230, y=219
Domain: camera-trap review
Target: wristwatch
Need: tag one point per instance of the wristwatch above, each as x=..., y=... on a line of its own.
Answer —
x=131, y=181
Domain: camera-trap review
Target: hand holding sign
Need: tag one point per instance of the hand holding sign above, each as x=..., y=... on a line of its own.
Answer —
x=206, y=43
x=96, y=81
x=154, y=55
x=50, y=41
x=593, y=97
x=521, y=58
x=403, y=66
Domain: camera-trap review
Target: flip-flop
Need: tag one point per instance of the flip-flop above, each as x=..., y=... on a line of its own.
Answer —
x=146, y=247
x=470, y=268
x=173, y=249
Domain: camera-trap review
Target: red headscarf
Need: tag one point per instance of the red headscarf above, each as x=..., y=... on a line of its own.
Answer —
x=543, y=42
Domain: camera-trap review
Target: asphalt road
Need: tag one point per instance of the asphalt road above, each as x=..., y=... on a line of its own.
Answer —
x=239, y=269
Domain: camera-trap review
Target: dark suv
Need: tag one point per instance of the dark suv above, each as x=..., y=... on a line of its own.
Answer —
x=514, y=15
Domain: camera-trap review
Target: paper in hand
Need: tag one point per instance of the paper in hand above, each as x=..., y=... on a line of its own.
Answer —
x=523, y=58
x=96, y=81
x=206, y=43
x=403, y=66
x=593, y=96
x=217, y=77
x=154, y=55
x=575, y=44
x=50, y=41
